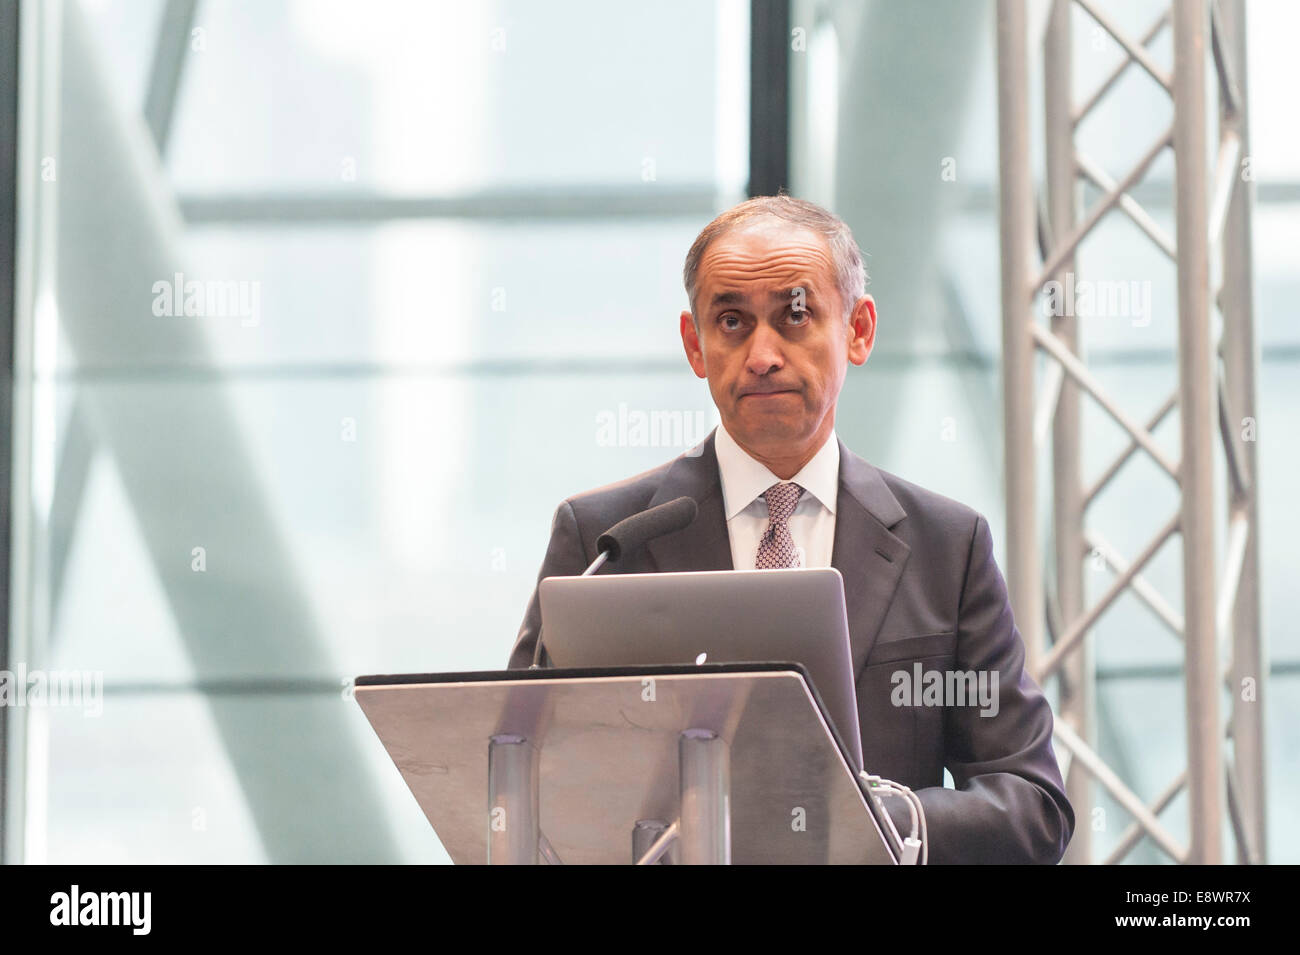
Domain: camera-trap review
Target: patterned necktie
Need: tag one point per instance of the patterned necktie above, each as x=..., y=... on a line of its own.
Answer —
x=776, y=547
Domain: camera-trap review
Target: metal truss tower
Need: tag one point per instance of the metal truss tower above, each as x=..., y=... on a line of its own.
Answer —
x=1224, y=662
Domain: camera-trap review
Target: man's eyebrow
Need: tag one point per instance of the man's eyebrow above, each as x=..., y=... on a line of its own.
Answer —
x=729, y=298
x=735, y=298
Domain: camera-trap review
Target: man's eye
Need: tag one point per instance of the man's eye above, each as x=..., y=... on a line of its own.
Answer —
x=730, y=321
x=799, y=317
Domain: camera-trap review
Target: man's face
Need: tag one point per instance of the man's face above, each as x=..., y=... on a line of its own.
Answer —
x=772, y=340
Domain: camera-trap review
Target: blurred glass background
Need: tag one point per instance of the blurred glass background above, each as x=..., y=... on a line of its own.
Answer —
x=452, y=236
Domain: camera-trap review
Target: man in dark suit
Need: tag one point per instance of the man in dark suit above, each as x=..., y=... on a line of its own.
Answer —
x=778, y=311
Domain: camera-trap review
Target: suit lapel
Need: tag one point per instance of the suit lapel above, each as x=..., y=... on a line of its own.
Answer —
x=704, y=545
x=868, y=556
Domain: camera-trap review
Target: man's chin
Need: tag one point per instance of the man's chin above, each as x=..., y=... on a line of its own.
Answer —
x=767, y=431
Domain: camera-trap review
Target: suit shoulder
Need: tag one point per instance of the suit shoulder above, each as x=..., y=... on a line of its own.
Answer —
x=611, y=502
x=930, y=508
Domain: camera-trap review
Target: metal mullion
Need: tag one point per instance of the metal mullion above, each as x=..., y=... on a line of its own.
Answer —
x=769, y=97
x=506, y=204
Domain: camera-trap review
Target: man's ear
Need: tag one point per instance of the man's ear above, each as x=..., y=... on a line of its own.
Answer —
x=862, y=330
x=691, y=342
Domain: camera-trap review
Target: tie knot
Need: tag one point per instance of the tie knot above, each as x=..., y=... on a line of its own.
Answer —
x=781, y=501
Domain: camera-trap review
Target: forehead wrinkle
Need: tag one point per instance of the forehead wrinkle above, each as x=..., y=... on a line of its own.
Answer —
x=806, y=259
x=795, y=264
x=788, y=275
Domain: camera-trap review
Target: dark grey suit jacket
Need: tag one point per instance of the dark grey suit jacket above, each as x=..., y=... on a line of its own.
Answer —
x=921, y=584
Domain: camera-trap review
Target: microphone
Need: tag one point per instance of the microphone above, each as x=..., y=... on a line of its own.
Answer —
x=632, y=533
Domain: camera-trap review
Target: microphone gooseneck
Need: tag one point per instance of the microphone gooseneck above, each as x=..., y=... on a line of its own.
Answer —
x=632, y=533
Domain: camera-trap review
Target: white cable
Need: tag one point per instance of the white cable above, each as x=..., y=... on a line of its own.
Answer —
x=925, y=833
x=876, y=783
x=889, y=821
x=912, y=846
x=920, y=808
x=916, y=843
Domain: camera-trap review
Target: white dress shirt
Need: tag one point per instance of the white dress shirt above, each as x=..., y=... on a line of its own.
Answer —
x=744, y=480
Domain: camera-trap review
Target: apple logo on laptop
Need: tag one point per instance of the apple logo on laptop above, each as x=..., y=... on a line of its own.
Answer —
x=701, y=658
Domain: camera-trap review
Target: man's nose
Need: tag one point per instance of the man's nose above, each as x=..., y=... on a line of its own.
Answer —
x=764, y=351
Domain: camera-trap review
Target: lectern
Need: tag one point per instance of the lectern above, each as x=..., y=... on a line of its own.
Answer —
x=707, y=764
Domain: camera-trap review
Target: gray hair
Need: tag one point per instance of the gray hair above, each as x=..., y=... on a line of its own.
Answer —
x=850, y=273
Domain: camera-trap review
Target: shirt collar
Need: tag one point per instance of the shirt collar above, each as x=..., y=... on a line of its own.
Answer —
x=744, y=479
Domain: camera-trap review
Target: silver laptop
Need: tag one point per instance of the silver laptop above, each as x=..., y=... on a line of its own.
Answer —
x=716, y=616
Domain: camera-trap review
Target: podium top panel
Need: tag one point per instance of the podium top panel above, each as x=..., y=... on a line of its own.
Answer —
x=606, y=742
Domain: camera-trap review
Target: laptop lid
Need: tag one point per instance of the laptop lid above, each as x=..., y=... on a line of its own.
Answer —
x=718, y=616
